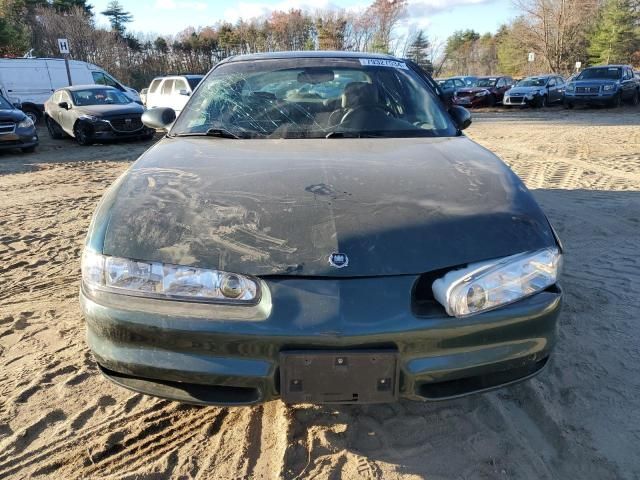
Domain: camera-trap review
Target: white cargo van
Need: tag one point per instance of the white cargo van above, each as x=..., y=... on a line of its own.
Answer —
x=31, y=81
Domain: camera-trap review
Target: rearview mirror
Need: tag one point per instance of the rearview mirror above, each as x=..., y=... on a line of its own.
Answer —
x=461, y=116
x=64, y=105
x=161, y=117
x=315, y=75
x=185, y=92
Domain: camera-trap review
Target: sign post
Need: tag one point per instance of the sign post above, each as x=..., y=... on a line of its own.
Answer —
x=63, y=45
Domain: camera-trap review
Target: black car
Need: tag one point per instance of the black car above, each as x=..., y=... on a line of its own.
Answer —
x=16, y=129
x=94, y=113
x=316, y=227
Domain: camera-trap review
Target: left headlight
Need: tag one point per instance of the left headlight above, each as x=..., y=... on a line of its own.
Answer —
x=26, y=123
x=89, y=118
x=158, y=280
x=487, y=285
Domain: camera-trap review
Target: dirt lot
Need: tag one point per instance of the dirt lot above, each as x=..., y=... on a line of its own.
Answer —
x=579, y=419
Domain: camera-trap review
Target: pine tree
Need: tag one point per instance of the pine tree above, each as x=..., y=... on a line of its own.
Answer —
x=617, y=33
x=118, y=17
x=418, y=51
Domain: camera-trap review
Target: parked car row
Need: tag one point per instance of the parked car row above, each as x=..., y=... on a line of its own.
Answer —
x=603, y=85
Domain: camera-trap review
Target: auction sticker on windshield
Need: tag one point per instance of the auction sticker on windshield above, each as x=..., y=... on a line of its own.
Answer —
x=380, y=62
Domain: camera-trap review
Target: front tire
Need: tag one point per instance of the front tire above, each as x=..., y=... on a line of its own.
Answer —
x=635, y=100
x=82, y=135
x=32, y=114
x=541, y=102
x=568, y=105
x=55, y=132
x=616, y=102
x=28, y=149
x=491, y=101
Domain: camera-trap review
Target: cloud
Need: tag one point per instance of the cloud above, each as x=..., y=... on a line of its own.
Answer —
x=177, y=4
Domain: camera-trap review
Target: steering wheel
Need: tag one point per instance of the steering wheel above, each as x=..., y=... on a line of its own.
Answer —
x=352, y=112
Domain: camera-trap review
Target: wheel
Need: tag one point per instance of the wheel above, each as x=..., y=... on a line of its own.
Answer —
x=568, y=105
x=28, y=149
x=55, y=132
x=616, y=101
x=82, y=134
x=491, y=101
x=541, y=102
x=33, y=115
x=635, y=100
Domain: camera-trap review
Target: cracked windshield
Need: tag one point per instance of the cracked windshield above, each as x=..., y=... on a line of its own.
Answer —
x=275, y=99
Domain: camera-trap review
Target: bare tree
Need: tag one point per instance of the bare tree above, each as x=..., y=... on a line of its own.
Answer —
x=556, y=29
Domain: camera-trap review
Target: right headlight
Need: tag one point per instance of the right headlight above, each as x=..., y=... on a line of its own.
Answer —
x=571, y=87
x=491, y=284
x=158, y=280
x=26, y=123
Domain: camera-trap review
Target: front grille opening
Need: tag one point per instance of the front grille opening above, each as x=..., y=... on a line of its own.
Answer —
x=423, y=303
x=462, y=386
x=188, y=392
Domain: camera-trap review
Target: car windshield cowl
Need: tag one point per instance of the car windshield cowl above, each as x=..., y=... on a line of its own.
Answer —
x=312, y=98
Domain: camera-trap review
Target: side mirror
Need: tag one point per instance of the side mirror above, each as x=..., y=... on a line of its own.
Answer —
x=144, y=91
x=159, y=118
x=64, y=105
x=461, y=116
x=186, y=93
x=18, y=105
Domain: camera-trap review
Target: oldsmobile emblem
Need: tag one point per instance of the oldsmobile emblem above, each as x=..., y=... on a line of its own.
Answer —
x=338, y=260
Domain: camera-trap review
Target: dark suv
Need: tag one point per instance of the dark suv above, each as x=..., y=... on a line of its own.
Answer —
x=487, y=91
x=606, y=84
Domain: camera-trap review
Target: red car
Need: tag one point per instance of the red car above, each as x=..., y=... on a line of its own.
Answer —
x=486, y=91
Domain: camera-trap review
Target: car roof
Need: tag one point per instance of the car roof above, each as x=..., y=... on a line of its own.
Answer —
x=308, y=54
x=616, y=65
x=75, y=88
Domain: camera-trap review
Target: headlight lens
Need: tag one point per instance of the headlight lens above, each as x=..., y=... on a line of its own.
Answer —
x=26, y=123
x=571, y=87
x=606, y=88
x=89, y=118
x=482, y=93
x=487, y=285
x=157, y=280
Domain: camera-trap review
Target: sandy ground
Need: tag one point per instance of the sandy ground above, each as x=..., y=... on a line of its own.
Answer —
x=580, y=419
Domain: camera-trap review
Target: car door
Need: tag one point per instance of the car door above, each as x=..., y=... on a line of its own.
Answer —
x=66, y=117
x=627, y=83
x=180, y=94
x=561, y=86
x=166, y=90
x=153, y=93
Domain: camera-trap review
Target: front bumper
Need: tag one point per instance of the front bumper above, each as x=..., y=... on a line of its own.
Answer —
x=470, y=101
x=593, y=98
x=20, y=138
x=519, y=100
x=208, y=354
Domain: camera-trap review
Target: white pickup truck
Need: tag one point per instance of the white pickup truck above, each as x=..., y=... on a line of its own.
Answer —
x=31, y=81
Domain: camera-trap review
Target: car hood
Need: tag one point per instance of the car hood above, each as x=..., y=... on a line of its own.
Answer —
x=110, y=110
x=473, y=89
x=524, y=90
x=13, y=115
x=281, y=207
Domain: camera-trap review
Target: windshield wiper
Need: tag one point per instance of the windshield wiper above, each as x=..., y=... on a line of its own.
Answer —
x=353, y=135
x=212, y=132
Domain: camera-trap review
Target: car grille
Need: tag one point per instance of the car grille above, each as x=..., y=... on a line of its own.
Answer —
x=7, y=127
x=126, y=124
x=465, y=94
x=516, y=99
x=587, y=89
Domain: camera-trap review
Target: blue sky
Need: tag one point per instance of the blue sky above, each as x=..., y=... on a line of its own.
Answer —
x=439, y=18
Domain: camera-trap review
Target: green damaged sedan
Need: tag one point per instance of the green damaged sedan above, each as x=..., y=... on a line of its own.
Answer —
x=315, y=227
